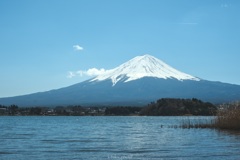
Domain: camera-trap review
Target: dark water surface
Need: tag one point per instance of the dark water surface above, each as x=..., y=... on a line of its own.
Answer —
x=112, y=138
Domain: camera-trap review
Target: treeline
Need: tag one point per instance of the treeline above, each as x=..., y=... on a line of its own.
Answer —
x=177, y=107
x=162, y=107
x=9, y=110
x=122, y=111
x=51, y=111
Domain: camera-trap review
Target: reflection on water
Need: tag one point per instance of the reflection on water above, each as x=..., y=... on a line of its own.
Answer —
x=113, y=138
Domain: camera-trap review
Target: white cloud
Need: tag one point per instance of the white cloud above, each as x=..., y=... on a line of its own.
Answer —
x=90, y=72
x=95, y=72
x=77, y=47
x=71, y=75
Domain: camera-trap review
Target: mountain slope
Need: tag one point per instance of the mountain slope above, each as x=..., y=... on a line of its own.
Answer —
x=137, y=82
x=143, y=66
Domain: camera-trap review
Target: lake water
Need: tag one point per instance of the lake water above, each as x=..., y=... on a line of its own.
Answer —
x=43, y=138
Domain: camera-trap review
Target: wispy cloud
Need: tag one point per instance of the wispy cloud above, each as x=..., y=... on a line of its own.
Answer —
x=94, y=72
x=77, y=47
x=71, y=74
x=90, y=72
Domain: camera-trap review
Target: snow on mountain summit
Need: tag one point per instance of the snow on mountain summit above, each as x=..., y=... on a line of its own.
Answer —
x=143, y=66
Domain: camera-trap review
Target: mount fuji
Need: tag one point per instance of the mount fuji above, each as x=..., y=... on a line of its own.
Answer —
x=143, y=66
x=138, y=81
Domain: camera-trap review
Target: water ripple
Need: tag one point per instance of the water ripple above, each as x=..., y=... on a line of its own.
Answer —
x=112, y=138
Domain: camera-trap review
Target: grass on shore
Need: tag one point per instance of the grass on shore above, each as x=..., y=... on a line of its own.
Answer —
x=228, y=119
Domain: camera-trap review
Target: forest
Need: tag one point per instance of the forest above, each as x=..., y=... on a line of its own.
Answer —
x=162, y=107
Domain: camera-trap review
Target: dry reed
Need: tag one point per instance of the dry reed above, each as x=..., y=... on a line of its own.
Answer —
x=228, y=119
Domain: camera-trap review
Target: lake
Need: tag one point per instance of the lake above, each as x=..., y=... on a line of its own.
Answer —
x=63, y=137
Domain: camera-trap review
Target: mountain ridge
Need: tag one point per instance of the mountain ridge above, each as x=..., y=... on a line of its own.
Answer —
x=143, y=66
x=120, y=88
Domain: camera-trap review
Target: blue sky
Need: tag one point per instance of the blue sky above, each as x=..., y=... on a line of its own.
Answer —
x=41, y=41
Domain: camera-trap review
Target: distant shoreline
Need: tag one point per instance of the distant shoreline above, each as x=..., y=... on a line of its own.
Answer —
x=162, y=107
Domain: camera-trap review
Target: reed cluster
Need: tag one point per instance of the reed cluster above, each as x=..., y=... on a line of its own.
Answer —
x=228, y=119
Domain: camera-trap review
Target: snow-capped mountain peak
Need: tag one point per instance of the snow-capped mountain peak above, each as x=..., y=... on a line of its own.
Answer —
x=143, y=66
